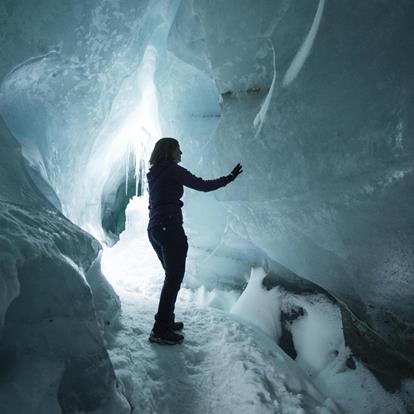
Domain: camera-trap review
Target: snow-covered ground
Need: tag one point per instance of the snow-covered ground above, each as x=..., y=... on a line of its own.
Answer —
x=230, y=361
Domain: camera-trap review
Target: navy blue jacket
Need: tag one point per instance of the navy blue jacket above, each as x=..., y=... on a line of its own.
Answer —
x=165, y=185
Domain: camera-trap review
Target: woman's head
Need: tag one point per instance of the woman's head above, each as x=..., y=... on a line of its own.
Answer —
x=165, y=149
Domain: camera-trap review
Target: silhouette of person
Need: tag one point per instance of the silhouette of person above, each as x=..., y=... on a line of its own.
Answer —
x=165, y=228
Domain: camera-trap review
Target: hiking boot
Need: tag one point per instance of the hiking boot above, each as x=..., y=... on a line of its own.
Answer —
x=167, y=337
x=177, y=326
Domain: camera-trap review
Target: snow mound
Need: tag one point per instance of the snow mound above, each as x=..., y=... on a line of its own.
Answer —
x=315, y=326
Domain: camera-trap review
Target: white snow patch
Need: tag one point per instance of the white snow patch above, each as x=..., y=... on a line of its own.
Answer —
x=319, y=342
x=260, y=306
x=216, y=298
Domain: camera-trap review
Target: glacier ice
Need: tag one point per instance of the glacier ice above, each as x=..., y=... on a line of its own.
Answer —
x=314, y=98
x=55, y=304
x=333, y=155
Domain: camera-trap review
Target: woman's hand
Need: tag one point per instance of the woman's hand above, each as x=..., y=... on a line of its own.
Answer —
x=238, y=169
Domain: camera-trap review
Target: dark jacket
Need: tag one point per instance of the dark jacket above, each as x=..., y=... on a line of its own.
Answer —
x=165, y=185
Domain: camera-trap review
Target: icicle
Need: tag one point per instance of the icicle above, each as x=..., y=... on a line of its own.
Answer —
x=127, y=170
x=142, y=166
x=138, y=155
x=141, y=175
x=144, y=181
x=136, y=176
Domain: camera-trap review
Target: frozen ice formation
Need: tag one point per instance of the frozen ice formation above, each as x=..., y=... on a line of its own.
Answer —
x=314, y=98
x=329, y=177
x=55, y=303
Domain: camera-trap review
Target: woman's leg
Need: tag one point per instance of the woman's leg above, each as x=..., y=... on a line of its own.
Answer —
x=157, y=247
x=172, y=242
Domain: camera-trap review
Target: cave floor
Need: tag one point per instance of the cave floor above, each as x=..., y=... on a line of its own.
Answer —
x=223, y=365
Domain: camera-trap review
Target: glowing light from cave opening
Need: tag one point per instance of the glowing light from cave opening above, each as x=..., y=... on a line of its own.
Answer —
x=130, y=144
x=135, y=140
x=141, y=129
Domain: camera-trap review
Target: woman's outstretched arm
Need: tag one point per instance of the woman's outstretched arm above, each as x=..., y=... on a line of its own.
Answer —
x=186, y=178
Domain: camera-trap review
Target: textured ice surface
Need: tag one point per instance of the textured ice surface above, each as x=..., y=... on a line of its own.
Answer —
x=328, y=182
x=65, y=66
x=314, y=98
x=52, y=319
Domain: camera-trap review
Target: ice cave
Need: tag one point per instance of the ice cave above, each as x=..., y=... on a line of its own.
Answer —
x=298, y=290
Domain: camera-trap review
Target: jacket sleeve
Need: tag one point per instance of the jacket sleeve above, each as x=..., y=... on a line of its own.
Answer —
x=185, y=177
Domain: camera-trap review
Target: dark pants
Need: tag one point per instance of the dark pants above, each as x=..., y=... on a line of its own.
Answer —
x=170, y=244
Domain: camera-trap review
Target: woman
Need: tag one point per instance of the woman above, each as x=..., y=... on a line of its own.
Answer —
x=165, y=231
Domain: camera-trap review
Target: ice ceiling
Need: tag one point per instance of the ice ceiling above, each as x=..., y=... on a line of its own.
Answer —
x=314, y=98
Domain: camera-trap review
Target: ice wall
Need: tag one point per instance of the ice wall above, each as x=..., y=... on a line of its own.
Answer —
x=55, y=304
x=317, y=103
x=314, y=98
x=71, y=76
